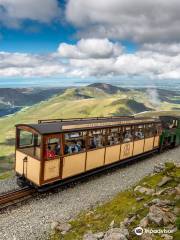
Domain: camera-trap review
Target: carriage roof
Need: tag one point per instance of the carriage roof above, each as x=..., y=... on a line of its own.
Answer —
x=68, y=125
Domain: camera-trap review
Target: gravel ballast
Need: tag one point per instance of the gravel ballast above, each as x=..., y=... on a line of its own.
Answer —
x=33, y=219
x=8, y=184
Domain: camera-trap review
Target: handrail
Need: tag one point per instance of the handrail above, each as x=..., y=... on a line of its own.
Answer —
x=80, y=119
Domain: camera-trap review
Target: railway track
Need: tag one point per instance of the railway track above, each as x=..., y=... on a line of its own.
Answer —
x=15, y=196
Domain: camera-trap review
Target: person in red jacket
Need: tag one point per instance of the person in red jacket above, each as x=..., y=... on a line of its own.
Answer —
x=49, y=153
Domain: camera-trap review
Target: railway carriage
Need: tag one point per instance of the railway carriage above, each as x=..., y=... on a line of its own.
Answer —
x=56, y=150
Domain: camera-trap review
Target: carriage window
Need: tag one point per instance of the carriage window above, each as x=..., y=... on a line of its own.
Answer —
x=139, y=132
x=149, y=130
x=158, y=129
x=127, y=134
x=96, y=139
x=29, y=143
x=75, y=142
x=114, y=136
x=26, y=139
x=52, y=147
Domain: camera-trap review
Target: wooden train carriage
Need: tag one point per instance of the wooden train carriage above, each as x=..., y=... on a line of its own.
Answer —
x=54, y=150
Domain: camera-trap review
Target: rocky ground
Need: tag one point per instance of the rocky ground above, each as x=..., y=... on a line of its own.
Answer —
x=34, y=218
x=154, y=215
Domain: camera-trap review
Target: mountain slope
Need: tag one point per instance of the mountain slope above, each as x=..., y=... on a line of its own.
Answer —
x=129, y=106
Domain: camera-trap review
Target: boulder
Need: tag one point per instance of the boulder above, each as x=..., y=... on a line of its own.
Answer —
x=160, y=216
x=160, y=167
x=89, y=236
x=144, y=222
x=164, y=181
x=147, y=191
x=99, y=235
x=54, y=225
x=138, y=199
x=93, y=236
x=111, y=224
x=146, y=236
x=115, y=234
x=63, y=227
x=124, y=230
x=156, y=215
x=166, y=237
x=128, y=221
x=162, y=203
x=167, y=190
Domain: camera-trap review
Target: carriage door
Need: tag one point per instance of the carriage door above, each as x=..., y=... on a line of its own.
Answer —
x=52, y=152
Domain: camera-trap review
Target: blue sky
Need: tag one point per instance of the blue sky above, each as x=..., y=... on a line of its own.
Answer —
x=80, y=41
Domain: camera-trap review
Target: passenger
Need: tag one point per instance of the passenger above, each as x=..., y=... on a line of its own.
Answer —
x=78, y=145
x=57, y=149
x=66, y=149
x=93, y=144
x=111, y=141
x=73, y=148
x=98, y=140
x=139, y=134
x=50, y=153
x=116, y=141
x=127, y=136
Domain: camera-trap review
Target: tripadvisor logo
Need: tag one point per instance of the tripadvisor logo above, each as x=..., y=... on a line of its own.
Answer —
x=138, y=231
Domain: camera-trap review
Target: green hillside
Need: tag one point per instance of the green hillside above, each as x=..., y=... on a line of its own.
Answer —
x=74, y=102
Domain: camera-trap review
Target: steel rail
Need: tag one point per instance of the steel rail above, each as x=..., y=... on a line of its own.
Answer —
x=8, y=198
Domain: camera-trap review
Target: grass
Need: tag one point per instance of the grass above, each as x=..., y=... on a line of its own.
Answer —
x=121, y=206
x=5, y=175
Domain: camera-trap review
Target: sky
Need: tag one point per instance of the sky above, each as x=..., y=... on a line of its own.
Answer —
x=67, y=42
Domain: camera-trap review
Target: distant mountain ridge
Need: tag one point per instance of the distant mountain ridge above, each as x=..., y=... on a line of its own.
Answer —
x=108, y=88
x=135, y=100
x=26, y=96
x=13, y=99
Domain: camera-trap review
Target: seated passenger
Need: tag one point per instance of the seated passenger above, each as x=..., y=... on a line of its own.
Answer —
x=93, y=144
x=57, y=149
x=127, y=136
x=111, y=141
x=78, y=145
x=73, y=148
x=66, y=149
x=139, y=134
x=49, y=153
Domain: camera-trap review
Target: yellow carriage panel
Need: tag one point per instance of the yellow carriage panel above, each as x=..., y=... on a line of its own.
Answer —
x=126, y=150
x=33, y=170
x=51, y=169
x=95, y=158
x=19, y=162
x=156, y=141
x=148, y=146
x=112, y=154
x=73, y=164
x=30, y=168
x=138, y=147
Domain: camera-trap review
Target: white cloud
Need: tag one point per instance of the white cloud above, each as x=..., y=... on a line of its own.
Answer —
x=136, y=20
x=81, y=60
x=90, y=48
x=30, y=65
x=13, y=12
x=170, y=49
